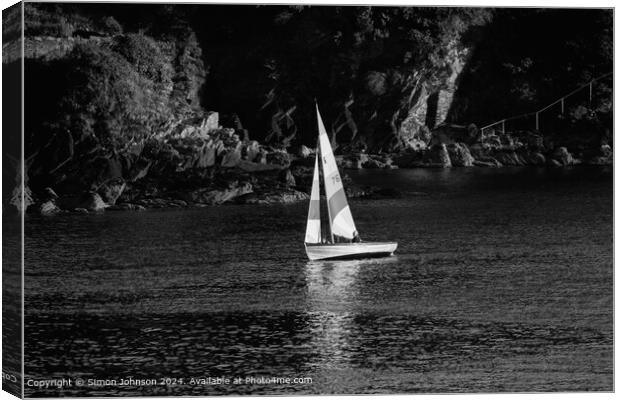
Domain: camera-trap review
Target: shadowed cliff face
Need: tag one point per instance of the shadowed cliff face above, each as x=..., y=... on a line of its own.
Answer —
x=121, y=95
x=371, y=69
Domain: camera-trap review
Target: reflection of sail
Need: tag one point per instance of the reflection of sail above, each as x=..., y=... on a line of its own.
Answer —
x=331, y=304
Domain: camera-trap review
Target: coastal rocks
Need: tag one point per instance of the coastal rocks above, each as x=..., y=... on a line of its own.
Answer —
x=352, y=161
x=439, y=157
x=508, y=158
x=413, y=134
x=93, y=202
x=491, y=163
x=604, y=156
x=90, y=201
x=562, y=156
x=232, y=157
x=460, y=155
x=212, y=122
x=205, y=156
x=285, y=197
x=110, y=192
x=48, y=207
x=220, y=196
x=534, y=158
x=373, y=163
x=279, y=157
x=304, y=152
x=251, y=151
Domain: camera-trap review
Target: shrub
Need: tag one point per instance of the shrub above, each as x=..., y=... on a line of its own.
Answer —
x=145, y=55
x=111, y=26
x=108, y=98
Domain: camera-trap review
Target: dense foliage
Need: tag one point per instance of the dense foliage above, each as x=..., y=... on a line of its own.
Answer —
x=528, y=58
x=366, y=66
x=120, y=74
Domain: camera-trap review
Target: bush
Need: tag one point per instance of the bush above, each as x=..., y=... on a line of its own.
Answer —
x=145, y=55
x=111, y=26
x=108, y=98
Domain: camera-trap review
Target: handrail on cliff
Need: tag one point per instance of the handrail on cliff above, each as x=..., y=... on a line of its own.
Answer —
x=536, y=113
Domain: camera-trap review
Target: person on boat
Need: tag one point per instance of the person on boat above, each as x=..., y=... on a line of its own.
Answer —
x=356, y=238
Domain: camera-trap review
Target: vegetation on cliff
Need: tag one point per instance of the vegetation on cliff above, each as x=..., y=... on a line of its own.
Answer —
x=120, y=100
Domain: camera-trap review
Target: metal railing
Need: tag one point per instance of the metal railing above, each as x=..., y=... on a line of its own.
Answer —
x=536, y=114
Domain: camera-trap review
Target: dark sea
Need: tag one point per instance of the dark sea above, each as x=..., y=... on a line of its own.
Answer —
x=502, y=282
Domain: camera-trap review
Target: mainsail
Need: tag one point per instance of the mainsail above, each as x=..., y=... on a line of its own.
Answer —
x=313, y=228
x=340, y=215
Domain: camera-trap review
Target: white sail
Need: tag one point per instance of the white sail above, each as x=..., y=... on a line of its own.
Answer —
x=339, y=212
x=313, y=227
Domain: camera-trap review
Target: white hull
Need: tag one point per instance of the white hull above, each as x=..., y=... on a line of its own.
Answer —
x=350, y=250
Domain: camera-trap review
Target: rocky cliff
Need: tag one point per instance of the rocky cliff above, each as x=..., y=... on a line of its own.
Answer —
x=150, y=105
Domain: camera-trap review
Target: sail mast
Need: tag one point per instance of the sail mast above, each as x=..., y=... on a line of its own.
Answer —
x=329, y=213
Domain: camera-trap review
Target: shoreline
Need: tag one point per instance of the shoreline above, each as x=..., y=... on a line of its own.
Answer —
x=283, y=197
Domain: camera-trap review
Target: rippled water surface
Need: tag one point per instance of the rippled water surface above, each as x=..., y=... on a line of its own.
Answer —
x=503, y=281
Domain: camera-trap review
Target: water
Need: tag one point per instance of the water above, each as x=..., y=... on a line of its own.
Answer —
x=503, y=281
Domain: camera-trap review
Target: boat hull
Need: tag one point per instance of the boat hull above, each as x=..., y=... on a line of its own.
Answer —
x=339, y=251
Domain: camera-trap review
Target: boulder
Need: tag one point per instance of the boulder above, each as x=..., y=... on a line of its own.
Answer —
x=93, y=202
x=232, y=157
x=251, y=151
x=111, y=191
x=212, y=122
x=562, y=155
x=48, y=208
x=304, y=151
x=205, y=155
x=460, y=155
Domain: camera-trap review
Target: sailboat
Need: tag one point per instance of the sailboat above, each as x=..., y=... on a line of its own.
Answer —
x=341, y=223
